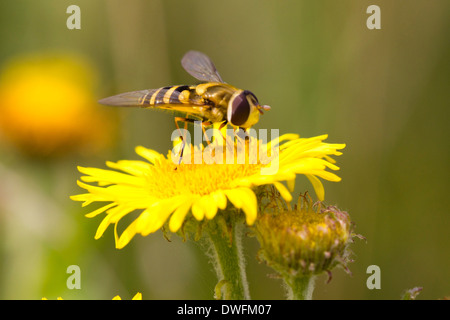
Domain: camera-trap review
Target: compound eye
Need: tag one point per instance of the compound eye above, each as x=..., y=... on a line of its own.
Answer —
x=240, y=109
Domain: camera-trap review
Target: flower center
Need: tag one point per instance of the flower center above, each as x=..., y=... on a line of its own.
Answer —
x=167, y=179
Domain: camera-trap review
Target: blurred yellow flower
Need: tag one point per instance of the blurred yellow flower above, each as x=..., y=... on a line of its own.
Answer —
x=47, y=105
x=163, y=189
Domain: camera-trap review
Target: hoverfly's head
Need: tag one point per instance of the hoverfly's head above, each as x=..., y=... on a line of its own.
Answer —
x=244, y=109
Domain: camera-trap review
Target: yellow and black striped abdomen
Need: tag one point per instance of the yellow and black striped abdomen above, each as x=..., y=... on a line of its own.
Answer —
x=181, y=94
x=173, y=95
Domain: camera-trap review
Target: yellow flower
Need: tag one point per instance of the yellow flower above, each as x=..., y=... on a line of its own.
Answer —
x=47, y=105
x=167, y=191
x=137, y=296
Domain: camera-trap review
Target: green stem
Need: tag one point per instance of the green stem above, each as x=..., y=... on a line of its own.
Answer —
x=301, y=287
x=229, y=261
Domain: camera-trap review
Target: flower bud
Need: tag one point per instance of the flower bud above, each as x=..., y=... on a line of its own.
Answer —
x=305, y=240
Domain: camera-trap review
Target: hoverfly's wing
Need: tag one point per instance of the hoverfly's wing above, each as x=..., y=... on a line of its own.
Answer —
x=154, y=98
x=200, y=66
x=128, y=99
x=167, y=98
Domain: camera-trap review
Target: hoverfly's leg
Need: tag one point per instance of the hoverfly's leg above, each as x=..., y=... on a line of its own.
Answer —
x=245, y=134
x=182, y=136
x=234, y=140
x=223, y=124
x=206, y=124
x=237, y=134
x=230, y=139
x=242, y=141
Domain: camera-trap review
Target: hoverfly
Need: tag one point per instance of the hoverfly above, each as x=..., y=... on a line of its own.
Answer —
x=213, y=101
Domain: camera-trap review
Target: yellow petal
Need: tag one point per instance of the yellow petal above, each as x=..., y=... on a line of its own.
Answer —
x=98, y=193
x=284, y=137
x=100, y=210
x=154, y=218
x=106, y=177
x=291, y=184
x=234, y=197
x=283, y=191
x=318, y=186
x=250, y=206
x=116, y=214
x=148, y=154
x=245, y=199
x=134, y=167
x=325, y=175
x=144, y=217
x=197, y=210
x=126, y=235
x=220, y=199
x=85, y=197
x=210, y=206
x=138, y=296
x=102, y=227
x=177, y=218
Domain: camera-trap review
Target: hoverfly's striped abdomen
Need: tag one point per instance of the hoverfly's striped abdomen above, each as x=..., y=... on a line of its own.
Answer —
x=169, y=95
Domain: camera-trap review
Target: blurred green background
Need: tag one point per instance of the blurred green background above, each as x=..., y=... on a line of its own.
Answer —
x=385, y=93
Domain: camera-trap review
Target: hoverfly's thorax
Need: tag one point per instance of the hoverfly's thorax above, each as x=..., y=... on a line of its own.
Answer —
x=217, y=94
